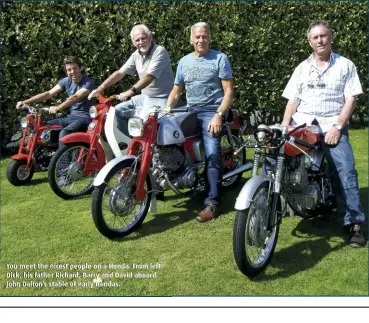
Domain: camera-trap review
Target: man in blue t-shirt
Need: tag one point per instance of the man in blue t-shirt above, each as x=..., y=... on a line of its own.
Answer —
x=78, y=86
x=206, y=75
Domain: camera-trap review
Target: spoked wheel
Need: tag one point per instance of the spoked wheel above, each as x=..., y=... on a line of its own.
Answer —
x=253, y=243
x=115, y=211
x=230, y=161
x=16, y=172
x=66, y=176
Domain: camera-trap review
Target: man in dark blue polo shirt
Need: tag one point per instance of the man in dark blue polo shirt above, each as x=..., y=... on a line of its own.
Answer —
x=78, y=86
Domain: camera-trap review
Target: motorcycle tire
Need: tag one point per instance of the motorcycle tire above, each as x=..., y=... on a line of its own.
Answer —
x=241, y=159
x=65, y=174
x=118, y=194
x=250, y=237
x=16, y=175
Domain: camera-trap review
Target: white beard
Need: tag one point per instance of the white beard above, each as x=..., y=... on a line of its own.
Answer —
x=144, y=50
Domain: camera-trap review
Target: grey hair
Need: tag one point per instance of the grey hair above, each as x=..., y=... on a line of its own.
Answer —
x=319, y=23
x=142, y=27
x=198, y=25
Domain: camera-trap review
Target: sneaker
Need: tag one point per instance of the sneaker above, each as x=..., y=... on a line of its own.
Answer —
x=357, y=239
x=208, y=213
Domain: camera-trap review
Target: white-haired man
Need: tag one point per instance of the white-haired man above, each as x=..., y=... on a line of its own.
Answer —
x=206, y=75
x=152, y=64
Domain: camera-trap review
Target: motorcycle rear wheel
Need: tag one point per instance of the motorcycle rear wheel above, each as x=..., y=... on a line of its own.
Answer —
x=115, y=211
x=228, y=156
x=253, y=244
x=66, y=176
x=16, y=173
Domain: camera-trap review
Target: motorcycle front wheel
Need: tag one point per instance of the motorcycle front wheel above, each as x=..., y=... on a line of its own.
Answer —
x=253, y=243
x=16, y=172
x=230, y=161
x=115, y=211
x=66, y=176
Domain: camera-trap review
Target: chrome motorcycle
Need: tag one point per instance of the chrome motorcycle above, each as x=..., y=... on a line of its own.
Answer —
x=295, y=175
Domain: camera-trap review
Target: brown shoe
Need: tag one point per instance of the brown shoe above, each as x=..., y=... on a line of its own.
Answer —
x=208, y=213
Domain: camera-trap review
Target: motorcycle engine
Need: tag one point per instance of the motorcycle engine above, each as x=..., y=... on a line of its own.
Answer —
x=169, y=158
x=302, y=193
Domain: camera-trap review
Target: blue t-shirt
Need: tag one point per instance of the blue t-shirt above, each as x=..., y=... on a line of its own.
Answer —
x=81, y=108
x=201, y=77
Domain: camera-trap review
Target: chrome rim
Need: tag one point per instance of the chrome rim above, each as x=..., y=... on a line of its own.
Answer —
x=120, y=209
x=258, y=240
x=69, y=174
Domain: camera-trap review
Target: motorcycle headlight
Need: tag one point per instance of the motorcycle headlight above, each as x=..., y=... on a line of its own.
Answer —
x=135, y=127
x=45, y=137
x=261, y=134
x=24, y=122
x=93, y=112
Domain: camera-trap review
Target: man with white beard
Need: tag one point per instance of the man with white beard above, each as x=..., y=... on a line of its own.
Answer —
x=152, y=64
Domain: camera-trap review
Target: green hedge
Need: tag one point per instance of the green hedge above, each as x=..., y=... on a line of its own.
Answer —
x=264, y=41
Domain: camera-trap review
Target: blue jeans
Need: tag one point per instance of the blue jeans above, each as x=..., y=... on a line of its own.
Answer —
x=344, y=179
x=71, y=124
x=138, y=105
x=213, y=158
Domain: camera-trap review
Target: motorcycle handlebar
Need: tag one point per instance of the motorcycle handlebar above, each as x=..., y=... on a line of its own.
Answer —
x=297, y=128
x=304, y=143
x=238, y=150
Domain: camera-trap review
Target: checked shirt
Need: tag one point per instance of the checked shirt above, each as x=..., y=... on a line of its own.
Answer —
x=323, y=93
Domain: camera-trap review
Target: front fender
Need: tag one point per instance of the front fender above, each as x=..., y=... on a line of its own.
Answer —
x=245, y=196
x=76, y=137
x=19, y=157
x=101, y=176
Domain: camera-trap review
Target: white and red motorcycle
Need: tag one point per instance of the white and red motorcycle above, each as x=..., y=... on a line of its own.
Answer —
x=166, y=152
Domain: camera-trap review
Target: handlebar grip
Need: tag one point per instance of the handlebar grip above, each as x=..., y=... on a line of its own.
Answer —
x=304, y=143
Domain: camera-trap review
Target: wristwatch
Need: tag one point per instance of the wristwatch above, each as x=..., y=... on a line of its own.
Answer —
x=337, y=126
x=135, y=91
x=219, y=113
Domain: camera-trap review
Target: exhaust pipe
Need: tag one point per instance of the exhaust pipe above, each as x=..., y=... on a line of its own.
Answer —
x=238, y=170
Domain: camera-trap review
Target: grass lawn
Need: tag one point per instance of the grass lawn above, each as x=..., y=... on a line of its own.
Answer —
x=183, y=257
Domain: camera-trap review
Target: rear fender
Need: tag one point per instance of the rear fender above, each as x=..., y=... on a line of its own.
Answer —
x=245, y=196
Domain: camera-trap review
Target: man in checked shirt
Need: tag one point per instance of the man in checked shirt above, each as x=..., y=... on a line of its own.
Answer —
x=324, y=87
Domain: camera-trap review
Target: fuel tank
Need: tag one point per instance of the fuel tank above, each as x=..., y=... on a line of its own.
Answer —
x=309, y=134
x=174, y=129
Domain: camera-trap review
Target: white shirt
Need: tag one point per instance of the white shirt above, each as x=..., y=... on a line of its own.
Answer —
x=322, y=93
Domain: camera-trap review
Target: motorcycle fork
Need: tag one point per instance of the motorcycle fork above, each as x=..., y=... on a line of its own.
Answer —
x=146, y=143
x=91, y=166
x=88, y=167
x=31, y=148
x=276, y=190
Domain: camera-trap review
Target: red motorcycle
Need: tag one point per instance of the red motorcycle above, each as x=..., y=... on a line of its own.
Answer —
x=83, y=154
x=39, y=143
x=166, y=152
